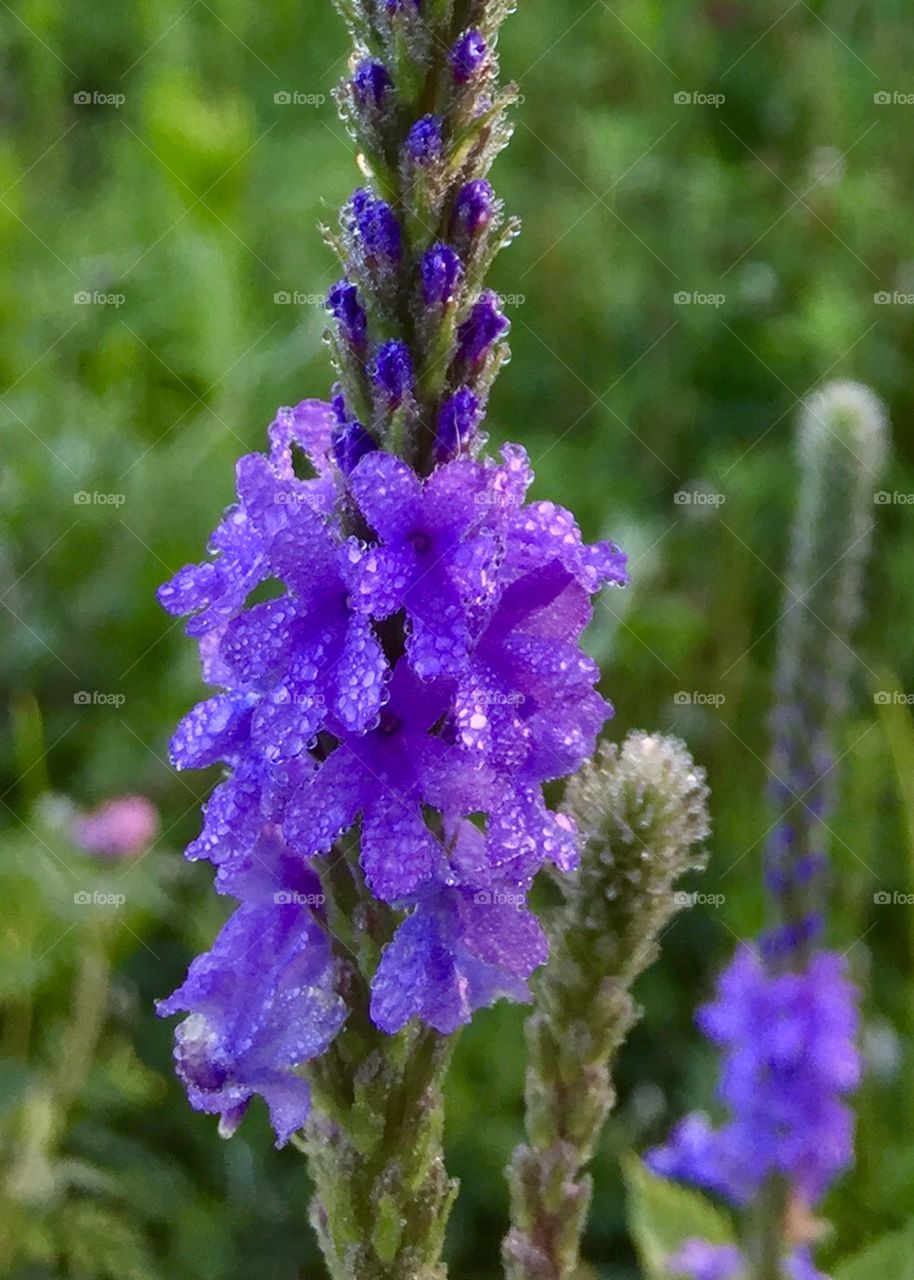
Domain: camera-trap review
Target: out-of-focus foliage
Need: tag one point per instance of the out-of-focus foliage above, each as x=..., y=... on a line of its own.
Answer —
x=181, y=200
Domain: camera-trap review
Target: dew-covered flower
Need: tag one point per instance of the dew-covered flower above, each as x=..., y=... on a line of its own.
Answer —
x=261, y=1002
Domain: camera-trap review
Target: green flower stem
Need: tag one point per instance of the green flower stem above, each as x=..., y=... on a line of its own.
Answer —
x=643, y=810
x=374, y=1139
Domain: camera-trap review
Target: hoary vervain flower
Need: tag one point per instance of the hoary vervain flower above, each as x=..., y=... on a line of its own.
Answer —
x=389, y=704
x=785, y=1016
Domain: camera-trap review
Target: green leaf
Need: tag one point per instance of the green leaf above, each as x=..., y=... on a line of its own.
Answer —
x=662, y=1215
x=891, y=1255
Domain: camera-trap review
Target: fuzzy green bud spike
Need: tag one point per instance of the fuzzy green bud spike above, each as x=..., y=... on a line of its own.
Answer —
x=842, y=443
x=644, y=813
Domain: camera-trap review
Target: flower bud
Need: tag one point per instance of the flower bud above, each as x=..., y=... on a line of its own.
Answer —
x=392, y=372
x=442, y=273
x=467, y=55
x=483, y=327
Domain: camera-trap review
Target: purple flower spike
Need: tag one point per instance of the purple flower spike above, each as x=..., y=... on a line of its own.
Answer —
x=467, y=55
x=425, y=142
x=344, y=305
x=375, y=225
x=351, y=441
x=392, y=372
x=788, y=1060
x=371, y=84
x=442, y=273
x=483, y=327
x=474, y=208
x=457, y=423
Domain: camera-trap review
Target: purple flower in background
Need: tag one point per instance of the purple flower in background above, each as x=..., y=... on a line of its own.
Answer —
x=261, y=1002
x=467, y=55
x=788, y=1060
x=699, y=1260
x=119, y=828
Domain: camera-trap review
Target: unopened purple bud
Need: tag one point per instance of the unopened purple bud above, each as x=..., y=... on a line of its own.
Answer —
x=467, y=55
x=338, y=404
x=442, y=272
x=392, y=371
x=371, y=84
x=376, y=226
x=424, y=142
x=344, y=305
x=402, y=6
x=474, y=207
x=483, y=327
x=350, y=443
x=457, y=423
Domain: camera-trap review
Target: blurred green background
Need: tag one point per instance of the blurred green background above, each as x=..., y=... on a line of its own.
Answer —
x=161, y=282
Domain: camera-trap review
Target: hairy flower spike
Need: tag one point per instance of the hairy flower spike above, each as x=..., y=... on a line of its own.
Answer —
x=389, y=715
x=841, y=446
x=785, y=1019
x=643, y=813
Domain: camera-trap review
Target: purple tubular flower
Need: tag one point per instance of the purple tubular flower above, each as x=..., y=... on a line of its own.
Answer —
x=351, y=441
x=425, y=140
x=483, y=327
x=788, y=1059
x=375, y=226
x=442, y=274
x=261, y=1003
x=456, y=953
x=371, y=84
x=467, y=55
x=118, y=828
x=474, y=208
x=700, y=1260
x=382, y=775
x=458, y=419
x=392, y=372
x=344, y=305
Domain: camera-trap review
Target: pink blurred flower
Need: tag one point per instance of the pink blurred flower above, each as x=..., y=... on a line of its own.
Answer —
x=119, y=828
